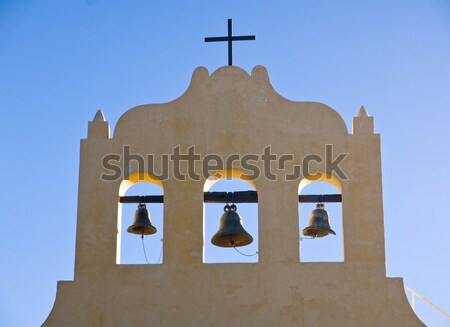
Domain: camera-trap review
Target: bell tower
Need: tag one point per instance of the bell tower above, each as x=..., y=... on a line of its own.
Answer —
x=226, y=113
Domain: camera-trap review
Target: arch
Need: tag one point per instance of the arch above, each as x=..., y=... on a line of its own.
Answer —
x=320, y=177
x=138, y=177
x=329, y=248
x=228, y=174
x=229, y=180
x=129, y=246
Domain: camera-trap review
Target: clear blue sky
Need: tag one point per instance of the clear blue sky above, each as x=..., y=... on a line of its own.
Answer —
x=60, y=61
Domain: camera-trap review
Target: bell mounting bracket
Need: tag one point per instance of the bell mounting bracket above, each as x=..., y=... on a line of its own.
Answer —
x=238, y=197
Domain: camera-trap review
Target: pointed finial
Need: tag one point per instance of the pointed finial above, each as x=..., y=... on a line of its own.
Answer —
x=363, y=123
x=362, y=112
x=98, y=127
x=99, y=116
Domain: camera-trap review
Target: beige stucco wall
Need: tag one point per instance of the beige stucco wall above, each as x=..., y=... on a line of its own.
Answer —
x=224, y=113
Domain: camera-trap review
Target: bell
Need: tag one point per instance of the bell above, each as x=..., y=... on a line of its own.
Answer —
x=142, y=224
x=231, y=232
x=319, y=224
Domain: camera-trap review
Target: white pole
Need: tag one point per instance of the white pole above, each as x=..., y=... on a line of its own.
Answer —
x=414, y=293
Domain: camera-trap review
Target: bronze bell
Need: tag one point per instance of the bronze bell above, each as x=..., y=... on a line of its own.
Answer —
x=319, y=223
x=142, y=224
x=231, y=232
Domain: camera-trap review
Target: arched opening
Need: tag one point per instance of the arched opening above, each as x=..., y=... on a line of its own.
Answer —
x=329, y=248
x=132, y=248
x=234, y=182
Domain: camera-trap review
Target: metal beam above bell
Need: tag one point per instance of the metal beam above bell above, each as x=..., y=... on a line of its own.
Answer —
x=232, y=197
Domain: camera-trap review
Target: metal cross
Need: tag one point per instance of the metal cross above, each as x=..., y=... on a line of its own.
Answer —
x=230, y=38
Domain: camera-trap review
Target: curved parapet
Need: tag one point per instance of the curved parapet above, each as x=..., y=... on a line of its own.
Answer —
x=229, y=94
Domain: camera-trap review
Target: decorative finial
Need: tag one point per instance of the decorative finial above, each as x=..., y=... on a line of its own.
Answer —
x=362, y=112
x=363, y=123
x=99, y=116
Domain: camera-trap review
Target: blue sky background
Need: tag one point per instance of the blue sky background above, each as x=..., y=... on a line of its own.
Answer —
x=60, y=61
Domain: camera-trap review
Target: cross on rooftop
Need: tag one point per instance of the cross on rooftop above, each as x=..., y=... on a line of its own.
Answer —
x=230, y=38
